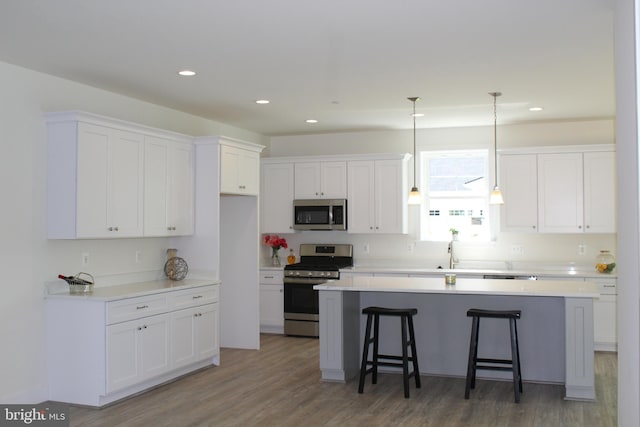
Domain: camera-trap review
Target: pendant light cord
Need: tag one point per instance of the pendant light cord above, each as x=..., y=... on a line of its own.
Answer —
x=414, y=143
x=495, y=135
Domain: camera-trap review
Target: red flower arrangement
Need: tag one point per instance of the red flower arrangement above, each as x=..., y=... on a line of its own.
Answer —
x=275, y=242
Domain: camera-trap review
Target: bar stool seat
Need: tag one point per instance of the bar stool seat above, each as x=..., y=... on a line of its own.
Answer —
x=371, y=366
x=476, y=363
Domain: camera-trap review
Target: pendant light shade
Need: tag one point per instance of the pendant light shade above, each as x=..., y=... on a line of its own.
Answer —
x=414, y=194
x=496, y=195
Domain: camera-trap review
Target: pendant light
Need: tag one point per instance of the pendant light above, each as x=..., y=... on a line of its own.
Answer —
x=496, y=195
x=414, y=194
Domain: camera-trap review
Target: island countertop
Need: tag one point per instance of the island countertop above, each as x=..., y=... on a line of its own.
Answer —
x=464, y=286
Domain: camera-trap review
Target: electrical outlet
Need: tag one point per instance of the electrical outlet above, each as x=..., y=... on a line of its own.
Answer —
x=411, y=247
x=85, y=259
x=517, y=250
x=365, y=248
x=582, y=249
x=138, y=256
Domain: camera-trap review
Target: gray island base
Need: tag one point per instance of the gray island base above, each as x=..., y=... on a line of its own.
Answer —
x=555, y=331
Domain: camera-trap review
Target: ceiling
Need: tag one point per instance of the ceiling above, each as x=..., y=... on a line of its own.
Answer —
x=350, y=64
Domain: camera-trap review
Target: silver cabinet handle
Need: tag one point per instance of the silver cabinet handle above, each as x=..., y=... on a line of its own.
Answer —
x=197, y=296
x=141, y=307
x=113, y=229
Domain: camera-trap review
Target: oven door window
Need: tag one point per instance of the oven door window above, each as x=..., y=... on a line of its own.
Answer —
x=312, y=215
x=300, y=298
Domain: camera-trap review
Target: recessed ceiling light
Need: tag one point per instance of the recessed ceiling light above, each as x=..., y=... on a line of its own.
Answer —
x=535, y=109
x=186, y=73
x=262, y=101
x=311, y=121
x=417, y=115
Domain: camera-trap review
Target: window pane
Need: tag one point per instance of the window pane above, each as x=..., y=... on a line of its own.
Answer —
x=456, y=185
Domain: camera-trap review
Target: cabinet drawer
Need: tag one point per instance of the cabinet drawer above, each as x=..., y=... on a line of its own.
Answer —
x=607, y=287
x=194, y=297
x=135, y=308
x=271, y=277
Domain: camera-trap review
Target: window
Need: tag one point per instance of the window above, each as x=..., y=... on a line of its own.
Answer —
x=456, y=185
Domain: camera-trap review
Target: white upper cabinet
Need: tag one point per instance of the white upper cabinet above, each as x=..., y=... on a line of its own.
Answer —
x=239, y=169
x=600, y=195
x=321, y=180
x=96, y=177
x=572, y=191
x=520, y=189
x=377, y=199
x=560, y=193
x=276, y=208
x=168, y=187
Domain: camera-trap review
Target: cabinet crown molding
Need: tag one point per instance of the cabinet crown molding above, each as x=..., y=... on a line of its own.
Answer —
x=337, y=157
x=225, y=140
x=551, y=149
x=96, y=119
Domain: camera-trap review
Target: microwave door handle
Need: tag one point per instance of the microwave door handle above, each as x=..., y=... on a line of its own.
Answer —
x=330, y=214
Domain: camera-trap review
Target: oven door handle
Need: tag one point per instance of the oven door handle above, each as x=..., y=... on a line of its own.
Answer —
x=302, y=281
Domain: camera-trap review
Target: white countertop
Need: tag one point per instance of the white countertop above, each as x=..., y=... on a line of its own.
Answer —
x=538, y=288
x=110, y=293
x=479, y=268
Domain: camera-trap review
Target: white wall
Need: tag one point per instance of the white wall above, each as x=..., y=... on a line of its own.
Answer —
x=27, y=259
x=627, y=74
x=551, y=249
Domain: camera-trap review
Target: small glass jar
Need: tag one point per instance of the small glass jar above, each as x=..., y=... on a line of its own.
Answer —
x=605, y=262
x=291, y=259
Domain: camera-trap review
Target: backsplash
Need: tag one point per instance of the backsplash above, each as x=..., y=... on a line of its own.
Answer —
x=552, y=249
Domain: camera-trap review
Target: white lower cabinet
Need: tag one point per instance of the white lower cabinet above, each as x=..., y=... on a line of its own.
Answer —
x=137, y=350
x=193, y=334
x=605, y=310
x=271, y=302
x=100, y=351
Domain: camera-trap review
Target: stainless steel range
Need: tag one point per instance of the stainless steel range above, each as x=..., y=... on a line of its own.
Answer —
x=318, y=264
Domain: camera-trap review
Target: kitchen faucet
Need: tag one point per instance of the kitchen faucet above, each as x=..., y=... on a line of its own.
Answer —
x=452, y=260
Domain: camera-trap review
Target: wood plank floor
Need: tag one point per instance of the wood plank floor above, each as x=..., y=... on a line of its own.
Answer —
x=279, y=385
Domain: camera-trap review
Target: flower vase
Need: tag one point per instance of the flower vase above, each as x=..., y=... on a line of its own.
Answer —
x=275, y=257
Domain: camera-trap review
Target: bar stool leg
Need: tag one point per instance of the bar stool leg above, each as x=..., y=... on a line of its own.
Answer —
x=365, y=354
x=405, y=356
x=376, y=331
x=515, y=363
x=473, y=351
x=515, y=328
x=414, y=352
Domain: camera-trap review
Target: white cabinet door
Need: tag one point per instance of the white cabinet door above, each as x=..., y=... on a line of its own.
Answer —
x=361, y=197
x=271, y=308
x=321, y=180
x=560, y=193
x=377, y=196
x=207, y=335
x=277, y=198
x=307, y=180
x=333, y=180
x=194, y=334
x=109, y=183
x=137, y=350
x=519, y=184
x=600, y=192
x=390, y=197
x=605, y=310
x=239, y=171
x=168, y=188
x=123, y=365
x=154, y=345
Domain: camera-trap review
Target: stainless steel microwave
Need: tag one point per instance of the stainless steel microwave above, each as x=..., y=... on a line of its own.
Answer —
x=320, y=214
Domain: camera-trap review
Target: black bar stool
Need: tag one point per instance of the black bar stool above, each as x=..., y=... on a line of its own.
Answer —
x=490, y=364
x=406, y=318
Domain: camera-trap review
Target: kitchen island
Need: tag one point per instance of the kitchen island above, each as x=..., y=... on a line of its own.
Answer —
x=555, y=331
